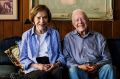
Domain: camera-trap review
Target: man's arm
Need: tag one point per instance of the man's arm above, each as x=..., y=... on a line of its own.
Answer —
x=105, y=54
x=66, y=51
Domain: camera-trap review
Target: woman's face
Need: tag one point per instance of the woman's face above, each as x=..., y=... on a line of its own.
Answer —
x=41, y=20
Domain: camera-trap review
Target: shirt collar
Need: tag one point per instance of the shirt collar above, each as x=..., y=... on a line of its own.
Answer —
x=33, y=31
x=89, y=33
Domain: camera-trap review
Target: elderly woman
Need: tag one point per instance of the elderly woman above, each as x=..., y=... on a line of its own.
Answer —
x=40, y=50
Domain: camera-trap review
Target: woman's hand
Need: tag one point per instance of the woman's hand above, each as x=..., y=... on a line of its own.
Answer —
x=42, y=67
x=52, y=66
x=45, y=67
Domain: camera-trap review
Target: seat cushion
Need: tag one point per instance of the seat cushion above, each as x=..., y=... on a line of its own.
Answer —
x=6, y=70
x=114, y=47
x=4, y=59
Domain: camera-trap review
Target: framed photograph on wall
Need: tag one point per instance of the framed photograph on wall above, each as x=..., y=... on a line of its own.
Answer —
x=8, y=9
x=62, y=9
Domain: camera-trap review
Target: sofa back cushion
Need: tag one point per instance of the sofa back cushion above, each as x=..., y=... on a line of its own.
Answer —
x=4, y=45
x=13, y=54
x=8, y=42
x=114, y=47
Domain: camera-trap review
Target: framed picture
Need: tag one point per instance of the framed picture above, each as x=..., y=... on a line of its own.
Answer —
x=8, y=9
x=62, y=9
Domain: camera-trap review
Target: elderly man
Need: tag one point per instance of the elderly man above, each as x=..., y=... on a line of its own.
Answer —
x=85, y=51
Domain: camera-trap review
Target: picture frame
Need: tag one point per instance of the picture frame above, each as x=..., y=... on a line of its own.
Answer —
x=8, y=9
x=62, y=9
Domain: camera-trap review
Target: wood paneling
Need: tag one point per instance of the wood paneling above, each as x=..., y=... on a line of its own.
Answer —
x=116, y=29
x=25, y=14
x=97, y=26
x=107, y=29
x=1, y=29
x=8, y=28
x=18, y=25
x=110, y=29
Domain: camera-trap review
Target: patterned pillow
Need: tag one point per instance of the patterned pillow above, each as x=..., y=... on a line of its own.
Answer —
x=13, y=54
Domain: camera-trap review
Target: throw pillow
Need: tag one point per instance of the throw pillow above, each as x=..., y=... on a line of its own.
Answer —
x=13, y=54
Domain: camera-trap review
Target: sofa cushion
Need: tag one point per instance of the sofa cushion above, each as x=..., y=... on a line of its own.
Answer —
x=8, y=42
x=4, y=59
x=6, y=70
x=13, y=54
x=114, y=47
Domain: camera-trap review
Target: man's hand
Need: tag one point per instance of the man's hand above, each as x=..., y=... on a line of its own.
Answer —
x=92, y=68
x=83, y=67
x=87, y=67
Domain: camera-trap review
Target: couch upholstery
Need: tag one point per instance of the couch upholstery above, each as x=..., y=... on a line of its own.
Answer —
x=114, y=47
x=6, y=66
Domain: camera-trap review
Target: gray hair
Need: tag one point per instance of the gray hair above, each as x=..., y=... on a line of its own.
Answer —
x=80, y=11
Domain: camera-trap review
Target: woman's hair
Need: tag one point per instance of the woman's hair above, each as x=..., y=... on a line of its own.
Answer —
x=37, y=9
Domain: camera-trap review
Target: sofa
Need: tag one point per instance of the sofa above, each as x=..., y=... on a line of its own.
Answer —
x=114, y=47
x=7, y=68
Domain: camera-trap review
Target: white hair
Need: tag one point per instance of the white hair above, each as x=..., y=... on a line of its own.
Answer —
x=79, y=11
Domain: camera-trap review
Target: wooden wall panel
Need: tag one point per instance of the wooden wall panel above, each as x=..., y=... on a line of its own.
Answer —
x=25, y=14
x=90, y=25
x=17, y=28
x=110, y=29
x=18, y=25
x=1, y=29
x=116, y=29
x=66, y=26
x=97, y=26
x=8, y=29
x=107, y=29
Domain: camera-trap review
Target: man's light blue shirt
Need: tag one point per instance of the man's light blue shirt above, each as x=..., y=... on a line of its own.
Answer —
x=29, y=48
x=90, y=49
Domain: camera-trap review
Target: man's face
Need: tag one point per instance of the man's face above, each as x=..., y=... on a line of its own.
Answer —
x=79, y=21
